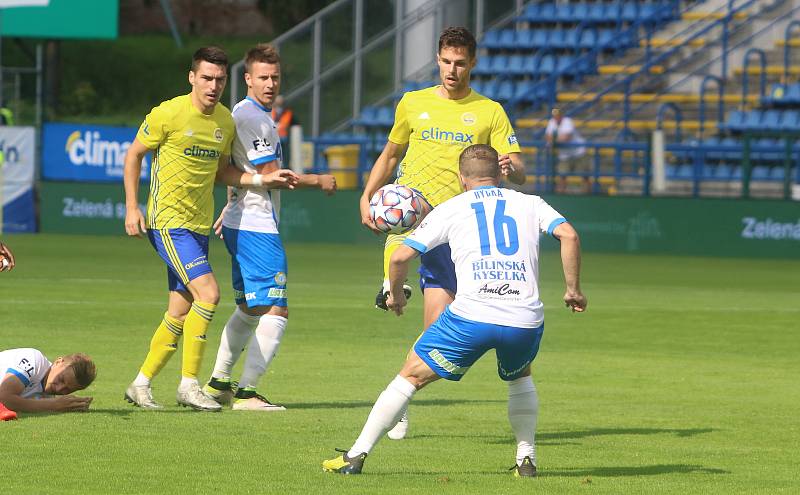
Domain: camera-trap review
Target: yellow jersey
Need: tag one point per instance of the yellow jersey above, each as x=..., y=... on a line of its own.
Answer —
x=437, y=130
x=187, y=146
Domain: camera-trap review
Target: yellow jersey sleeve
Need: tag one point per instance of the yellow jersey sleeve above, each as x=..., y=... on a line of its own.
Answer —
x=155, y=128
x=401, y=131
x=502, y=137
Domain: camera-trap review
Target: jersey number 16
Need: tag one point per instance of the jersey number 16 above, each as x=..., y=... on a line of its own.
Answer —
x=504, y=226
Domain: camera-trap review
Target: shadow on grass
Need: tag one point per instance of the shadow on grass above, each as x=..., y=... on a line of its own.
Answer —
x=615, y=471
x=357, y=404
x=551, y=438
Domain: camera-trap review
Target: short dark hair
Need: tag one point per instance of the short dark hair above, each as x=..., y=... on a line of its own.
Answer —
x=479, y=160
x=211, y=54
x=458, y=37
x=264, y=53
x=83, y=367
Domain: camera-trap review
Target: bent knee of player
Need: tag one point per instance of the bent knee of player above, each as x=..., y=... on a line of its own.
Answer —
x=205, y=289
x=417, y=371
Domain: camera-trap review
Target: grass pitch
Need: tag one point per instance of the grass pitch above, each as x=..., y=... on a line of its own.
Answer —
x=680, y=378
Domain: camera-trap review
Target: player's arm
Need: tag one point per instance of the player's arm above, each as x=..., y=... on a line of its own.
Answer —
x=381, y=172
x=324, y=182
x=513, y=167
x=134, y=218
x=232, y=176
x=571, y=262
x=398, y=271
x=11, y=389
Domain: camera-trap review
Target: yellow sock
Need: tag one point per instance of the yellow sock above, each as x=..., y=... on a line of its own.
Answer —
x=393, y=241
x=162, y=346
x=194, y=344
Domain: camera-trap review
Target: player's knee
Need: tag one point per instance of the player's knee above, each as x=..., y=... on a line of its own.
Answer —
x=281, y=311
x=208, y=295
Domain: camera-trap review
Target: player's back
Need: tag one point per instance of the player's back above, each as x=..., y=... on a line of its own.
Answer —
x=437, y=130
x=29, y=365
x=188, y=145
x=494, y=239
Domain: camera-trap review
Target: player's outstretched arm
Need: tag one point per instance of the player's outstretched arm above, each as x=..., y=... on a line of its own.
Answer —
x=398, y=272
x=513, y=168
x=571, y=262
x=11, y=395
x=381, y=171
x=324, y=182
x=5, y=252
x=134, y=219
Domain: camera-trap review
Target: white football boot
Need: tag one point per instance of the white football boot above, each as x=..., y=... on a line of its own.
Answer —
x=400, y=429
x=192, y=396
x=255, y=402
x=141, y=396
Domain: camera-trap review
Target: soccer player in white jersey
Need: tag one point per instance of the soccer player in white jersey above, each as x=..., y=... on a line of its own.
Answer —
x=28, y=379
x=250, y=231
x=494, y=239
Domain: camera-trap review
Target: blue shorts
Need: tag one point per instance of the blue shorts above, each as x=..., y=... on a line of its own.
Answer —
x=436, y=269
x=258, y=267
x=185, y=253
x=452, y=344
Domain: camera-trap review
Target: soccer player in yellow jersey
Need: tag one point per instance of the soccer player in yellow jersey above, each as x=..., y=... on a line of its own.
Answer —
x=431, y=128
x=190, y=137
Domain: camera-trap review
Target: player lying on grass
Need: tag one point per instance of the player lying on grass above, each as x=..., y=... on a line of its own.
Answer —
x=28, y=380
x=249, y=227
x=494, y=238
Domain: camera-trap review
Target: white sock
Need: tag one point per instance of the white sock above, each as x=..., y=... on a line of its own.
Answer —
x=234, y=338
x=188, y=382
x=263, y=346
x=141, y=380
x=384, y=415
x=523, y=410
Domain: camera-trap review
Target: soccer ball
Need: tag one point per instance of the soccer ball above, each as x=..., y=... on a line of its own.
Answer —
x=396, y=208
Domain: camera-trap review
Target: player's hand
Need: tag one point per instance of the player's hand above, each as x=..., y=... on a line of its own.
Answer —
x=327, y=183
x=280, y=179
x=506, y=167
x=576, y=301
x=6, y=258
x=71, y=403
x=218, y=223
x=396, y=304
x=366, y=218
x=134, y=222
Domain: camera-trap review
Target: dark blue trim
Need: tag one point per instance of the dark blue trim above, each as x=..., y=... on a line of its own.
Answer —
x=418, y=246
x=21, y=376
x=554, y=224
x=264, y=159
x=259, y=105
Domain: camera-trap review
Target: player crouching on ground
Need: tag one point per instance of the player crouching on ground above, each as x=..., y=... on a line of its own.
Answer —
x=28, y=379
x=494, y=237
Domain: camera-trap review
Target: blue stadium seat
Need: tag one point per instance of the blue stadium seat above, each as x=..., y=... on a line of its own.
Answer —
x=385, y=116
x=491, y=39
x=737, y=173
x=580, y=12
x=777, y=173
x=760, y=172
x=734, y=122
x=685, y=171
x=789, y=121
x=505, y=91
x=490, y=89
x=507, y=40
x=564, y=13
x=556, y=39
x=539, y=38
x=547, y=65
x=769, y=120
x=588, y=39
x=596, y=14
x=499, y=65
x=516, y=65
x=752, y=120
x=723, y=171
x=483, y=66
x=671, y=171
x=368, y=117
x=524, y=39
x=792, y=96
x=732, y=155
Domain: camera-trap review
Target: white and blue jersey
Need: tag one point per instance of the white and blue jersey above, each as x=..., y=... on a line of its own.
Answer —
x=29, y=366
x=494, y=241
x=250, y=222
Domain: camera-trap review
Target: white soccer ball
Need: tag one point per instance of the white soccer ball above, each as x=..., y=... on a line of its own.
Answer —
x=396, y=208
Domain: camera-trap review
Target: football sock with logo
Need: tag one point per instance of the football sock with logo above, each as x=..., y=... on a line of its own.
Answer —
x=384, y=415
x=194, y=344
x=263, y=346
x=162, y=347
x=523, y=410
x=235, y=335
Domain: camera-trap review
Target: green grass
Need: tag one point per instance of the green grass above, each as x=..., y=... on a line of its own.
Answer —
x=680, y=378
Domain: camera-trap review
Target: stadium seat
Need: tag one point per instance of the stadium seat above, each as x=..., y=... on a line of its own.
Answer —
x=789, y=121
x=752, y=120
x=507, y=40
x=723, y=171
x=385, y=116
x=483, y=66
x=368, y=117
x=777, y=173
x=769, y=120
x=760, y=172
x=685, y=171
x=524, y=39
x=505, y=91
x=491, y=39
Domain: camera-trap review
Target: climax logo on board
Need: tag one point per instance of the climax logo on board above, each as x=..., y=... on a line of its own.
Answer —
x=89, y=148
